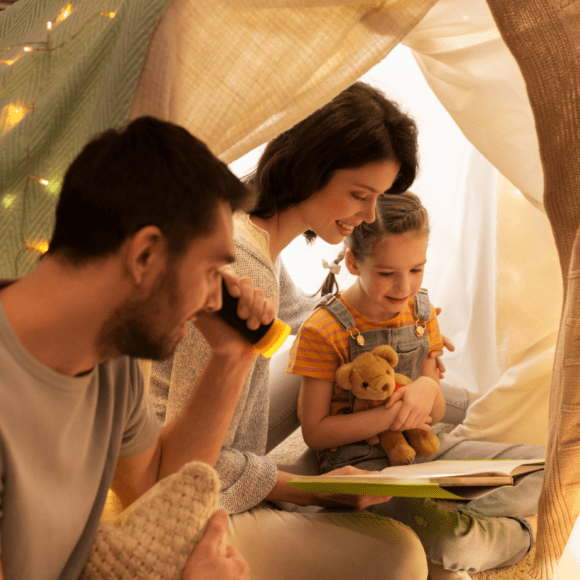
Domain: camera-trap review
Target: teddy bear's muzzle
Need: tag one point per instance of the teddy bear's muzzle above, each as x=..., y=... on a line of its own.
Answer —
x=377, y=389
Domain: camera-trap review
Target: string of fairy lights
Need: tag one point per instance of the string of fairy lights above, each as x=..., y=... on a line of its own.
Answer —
x=16, y=112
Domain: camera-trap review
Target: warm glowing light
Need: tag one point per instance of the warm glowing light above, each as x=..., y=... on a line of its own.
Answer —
x=11, y=61
x=39, y=179
x=40, y=247
x=64, y=13
x=108, y=14
x=16, y=54
x=49, y=26
x=11, y=115
x=8, y=200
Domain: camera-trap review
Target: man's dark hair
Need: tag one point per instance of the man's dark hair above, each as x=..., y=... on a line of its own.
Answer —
x=152, y=172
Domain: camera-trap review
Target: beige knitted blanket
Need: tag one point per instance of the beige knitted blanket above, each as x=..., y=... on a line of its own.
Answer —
x=152, y=538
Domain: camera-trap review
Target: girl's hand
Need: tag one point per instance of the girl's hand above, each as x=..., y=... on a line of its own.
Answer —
x=417, y=401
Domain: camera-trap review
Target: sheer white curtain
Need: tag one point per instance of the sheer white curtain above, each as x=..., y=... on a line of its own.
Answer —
x=457, y=186
x=501, y=314
x=473, y=74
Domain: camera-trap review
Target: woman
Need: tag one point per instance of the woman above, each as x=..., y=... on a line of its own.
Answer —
x=321, y=178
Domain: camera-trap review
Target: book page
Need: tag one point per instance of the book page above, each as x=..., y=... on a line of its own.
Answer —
x=448, y=468
x=438, y=470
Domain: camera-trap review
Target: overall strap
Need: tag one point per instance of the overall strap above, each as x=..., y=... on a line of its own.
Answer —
x=422, y=305
x=338, y=310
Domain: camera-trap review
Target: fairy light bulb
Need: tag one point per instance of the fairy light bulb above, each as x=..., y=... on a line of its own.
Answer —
x=64, y=13
x=41, y=246
x=11, y=115
x=40, y=180
x=8, y=200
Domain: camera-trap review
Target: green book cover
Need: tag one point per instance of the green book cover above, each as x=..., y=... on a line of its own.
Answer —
x=441, y=479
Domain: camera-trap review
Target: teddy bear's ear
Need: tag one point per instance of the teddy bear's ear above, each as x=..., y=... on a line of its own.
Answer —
x=388, y=353
x=343, y=374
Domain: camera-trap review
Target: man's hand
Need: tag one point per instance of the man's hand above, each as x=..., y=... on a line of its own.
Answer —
x=211, y=560
x=252, y=307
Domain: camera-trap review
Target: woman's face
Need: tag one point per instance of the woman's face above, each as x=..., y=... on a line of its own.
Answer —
x=348, y=199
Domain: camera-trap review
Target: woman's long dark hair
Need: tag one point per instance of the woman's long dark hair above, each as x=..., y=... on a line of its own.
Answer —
x=359, y=126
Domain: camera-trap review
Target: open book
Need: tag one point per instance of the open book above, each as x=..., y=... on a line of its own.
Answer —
x=446, y=479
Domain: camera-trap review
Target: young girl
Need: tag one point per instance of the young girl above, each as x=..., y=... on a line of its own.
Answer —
x=386, y=305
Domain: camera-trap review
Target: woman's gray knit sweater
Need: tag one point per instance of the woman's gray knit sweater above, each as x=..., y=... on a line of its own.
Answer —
x=246, y=475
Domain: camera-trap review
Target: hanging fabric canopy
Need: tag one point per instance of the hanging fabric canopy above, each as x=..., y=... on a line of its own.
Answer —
x=236, y=73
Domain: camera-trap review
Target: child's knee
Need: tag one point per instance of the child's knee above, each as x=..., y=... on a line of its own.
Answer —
x=474, y=543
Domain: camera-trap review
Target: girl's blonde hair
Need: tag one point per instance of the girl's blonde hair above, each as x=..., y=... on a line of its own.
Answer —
x=395, y=214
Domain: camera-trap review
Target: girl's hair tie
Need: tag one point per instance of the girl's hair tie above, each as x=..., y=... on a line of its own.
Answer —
x=334, y=268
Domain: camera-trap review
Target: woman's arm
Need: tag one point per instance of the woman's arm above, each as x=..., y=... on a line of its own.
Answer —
x=322, y=430
x=283, y=492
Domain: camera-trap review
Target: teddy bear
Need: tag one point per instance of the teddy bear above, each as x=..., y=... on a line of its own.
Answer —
x=372, y=379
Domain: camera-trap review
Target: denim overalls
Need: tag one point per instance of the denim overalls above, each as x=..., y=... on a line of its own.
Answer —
x=411, y=344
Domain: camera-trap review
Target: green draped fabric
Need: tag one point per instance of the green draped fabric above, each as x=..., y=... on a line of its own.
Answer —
x=65, y=86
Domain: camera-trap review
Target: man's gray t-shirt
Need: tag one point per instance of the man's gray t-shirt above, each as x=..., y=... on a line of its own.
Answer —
x=60, y=438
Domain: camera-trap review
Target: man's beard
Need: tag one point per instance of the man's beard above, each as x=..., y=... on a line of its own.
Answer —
x=129, y=331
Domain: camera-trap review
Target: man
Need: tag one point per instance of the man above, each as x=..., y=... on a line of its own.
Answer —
x=143, y=232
